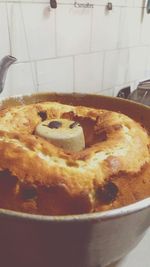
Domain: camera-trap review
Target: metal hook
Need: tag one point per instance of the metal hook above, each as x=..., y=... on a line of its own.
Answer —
x=109, y=6
x=53, y=4
x=148, y=7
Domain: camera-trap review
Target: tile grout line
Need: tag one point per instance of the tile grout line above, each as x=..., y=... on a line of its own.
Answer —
x=56, y=42
x=28, y=48
x=84, y=53
x=103, y=70
x=119, y=28
x=91, y=32
x=9, y=32
x=36, y=76
x=127, y=71
x=74, y=75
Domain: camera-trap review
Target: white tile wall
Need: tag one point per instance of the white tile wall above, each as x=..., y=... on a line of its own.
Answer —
x=73, y=27
x=115, y=68
x=32, y=31
x=137, y=68
x=55, y=75
x=123, y=64
x=114, y=2
x=145, y=37
x=110, y=69
x=148, y=64
x=89, y=72
x=140, y=3
x=75, y=49
x=21, y=79
x=4, y=39
x=108, y=92
x=129, y=27
x=105, y=28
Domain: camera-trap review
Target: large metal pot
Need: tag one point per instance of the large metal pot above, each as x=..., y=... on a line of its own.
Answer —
x=89, y=240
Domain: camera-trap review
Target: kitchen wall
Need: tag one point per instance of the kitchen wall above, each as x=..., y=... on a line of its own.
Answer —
x=68, y=49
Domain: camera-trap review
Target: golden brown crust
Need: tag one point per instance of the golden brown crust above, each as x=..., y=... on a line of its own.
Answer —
x=131, y=188
x=115, y=144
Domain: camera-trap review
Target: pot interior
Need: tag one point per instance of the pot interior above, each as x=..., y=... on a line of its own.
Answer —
x=134, y=110
x=137, y=111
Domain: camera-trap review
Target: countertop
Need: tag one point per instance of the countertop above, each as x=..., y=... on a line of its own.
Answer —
x=139, y=257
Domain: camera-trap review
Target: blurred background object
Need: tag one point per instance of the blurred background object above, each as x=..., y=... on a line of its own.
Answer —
x=141, y=94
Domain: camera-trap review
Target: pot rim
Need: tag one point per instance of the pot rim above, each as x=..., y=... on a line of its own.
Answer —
x=95, y=216
x=119, y=99
x=101, y=215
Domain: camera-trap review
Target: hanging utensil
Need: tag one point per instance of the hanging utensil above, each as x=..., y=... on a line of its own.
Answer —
x=148, y=7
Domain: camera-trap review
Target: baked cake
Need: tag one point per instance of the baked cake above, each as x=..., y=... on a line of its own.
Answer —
x=60, y=159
